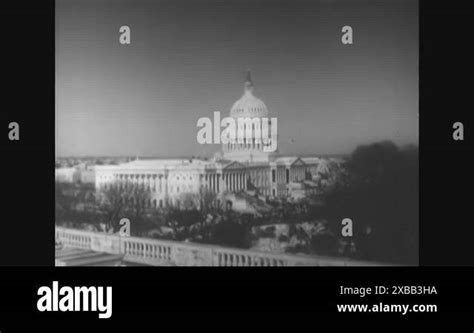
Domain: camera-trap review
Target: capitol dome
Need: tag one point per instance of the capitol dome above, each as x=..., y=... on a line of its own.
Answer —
x=248, y=105
x=250, y=145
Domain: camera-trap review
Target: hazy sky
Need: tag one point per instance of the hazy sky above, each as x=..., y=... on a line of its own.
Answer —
x=187, y=59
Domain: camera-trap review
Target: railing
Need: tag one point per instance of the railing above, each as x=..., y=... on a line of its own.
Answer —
x=167, y=253
x=74, y=238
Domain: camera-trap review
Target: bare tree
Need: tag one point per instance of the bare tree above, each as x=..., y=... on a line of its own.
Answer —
x=208, y=200
x=116, y=201
x=139, y=199
x=111, y=204
x=190, y=200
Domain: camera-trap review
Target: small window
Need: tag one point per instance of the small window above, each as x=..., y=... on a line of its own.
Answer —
x=273, y=176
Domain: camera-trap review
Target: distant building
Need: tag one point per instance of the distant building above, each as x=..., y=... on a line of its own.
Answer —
x=66, y=175
x=78, y=174
x=87, y=175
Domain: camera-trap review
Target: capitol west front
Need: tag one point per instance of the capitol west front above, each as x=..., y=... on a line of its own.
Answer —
x=243, y=171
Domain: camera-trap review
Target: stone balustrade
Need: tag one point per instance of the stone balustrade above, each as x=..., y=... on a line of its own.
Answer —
x=157, y=252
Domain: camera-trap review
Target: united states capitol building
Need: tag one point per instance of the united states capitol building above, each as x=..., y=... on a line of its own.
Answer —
x=240, y=172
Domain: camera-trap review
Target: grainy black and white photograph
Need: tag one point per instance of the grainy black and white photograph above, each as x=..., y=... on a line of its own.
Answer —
x=236, y=133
